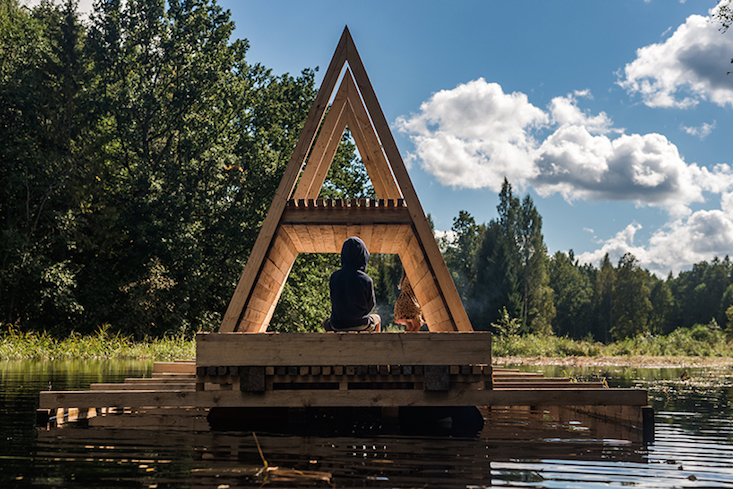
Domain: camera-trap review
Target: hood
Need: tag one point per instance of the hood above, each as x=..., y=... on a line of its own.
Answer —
x=354, y=254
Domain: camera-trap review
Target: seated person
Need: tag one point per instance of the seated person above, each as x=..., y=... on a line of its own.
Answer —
x=352, y=292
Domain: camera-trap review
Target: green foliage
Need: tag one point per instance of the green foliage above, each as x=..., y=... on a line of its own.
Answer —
x=506, y=325
x=102, y=344
x=631, y=307
x=573, y=293
x=706, y=340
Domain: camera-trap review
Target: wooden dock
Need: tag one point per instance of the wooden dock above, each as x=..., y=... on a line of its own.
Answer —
x=337, y=370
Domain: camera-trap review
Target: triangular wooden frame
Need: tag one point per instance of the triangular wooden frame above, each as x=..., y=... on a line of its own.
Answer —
x=297, y=223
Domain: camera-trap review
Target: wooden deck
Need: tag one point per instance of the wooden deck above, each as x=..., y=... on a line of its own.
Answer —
x=344, y=370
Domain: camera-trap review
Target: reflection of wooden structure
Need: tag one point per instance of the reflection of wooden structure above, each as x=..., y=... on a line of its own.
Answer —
x=298, y=222
x=243, y=366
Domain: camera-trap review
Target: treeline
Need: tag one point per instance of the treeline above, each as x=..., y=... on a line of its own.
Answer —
x=140, y=151
x=509, y=284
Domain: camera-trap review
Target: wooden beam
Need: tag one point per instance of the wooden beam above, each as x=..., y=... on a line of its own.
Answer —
x=303, y=349
x=346, y=215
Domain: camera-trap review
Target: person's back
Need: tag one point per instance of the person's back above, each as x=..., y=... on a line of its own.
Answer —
x=352, y=291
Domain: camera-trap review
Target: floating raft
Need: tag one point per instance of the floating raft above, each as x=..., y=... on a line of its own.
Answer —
x=313, y=370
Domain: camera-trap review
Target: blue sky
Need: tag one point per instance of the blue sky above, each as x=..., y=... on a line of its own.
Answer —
x=614, y=116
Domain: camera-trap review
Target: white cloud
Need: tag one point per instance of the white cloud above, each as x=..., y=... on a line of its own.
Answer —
x=475, y=135
x=680, y=244
x=645, y=169
x=701, y=132
x=686, y=68
x=565, y=111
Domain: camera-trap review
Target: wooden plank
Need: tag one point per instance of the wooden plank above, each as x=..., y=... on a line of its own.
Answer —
x=298, y=349
x=305, y=239
x=340, y=234
x=328, y=154
x=367, y=154
x=445, y=326
x=316, y=237
x=329, y=246
x=285, y=246
x=399, y=242
x=168, y=386
x=157, y=380
x=335, y=398
x=353, y=230
x=365, y=233
x=377, y=238
x=422, y=227
x=246, y=282
x=290, y=231
x=187, y=367
x=347, y=215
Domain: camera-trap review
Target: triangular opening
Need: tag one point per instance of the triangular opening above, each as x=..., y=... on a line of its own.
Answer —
x=347, y=178
x=300, y=222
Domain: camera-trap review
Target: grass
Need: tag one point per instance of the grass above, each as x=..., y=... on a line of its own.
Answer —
x=19, y=345
x=699, y=341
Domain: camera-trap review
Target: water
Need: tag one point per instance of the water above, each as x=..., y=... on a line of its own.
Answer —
x=692, y=447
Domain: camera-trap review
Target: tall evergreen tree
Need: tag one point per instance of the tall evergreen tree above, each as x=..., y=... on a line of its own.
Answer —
x=496, y=288
x=521, y=225
x=631, y=308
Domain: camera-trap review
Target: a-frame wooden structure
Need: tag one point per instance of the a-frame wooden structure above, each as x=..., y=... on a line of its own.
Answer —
x=298, y=222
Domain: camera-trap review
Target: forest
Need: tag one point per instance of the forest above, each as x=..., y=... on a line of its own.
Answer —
x=139, y=154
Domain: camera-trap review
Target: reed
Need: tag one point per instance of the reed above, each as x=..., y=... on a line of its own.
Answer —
x=103, y=344
x=702, y=340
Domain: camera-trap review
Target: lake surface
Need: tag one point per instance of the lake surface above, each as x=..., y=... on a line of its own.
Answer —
x=692, y=446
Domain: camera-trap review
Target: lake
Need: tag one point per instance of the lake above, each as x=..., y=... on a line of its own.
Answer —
x=692, y=445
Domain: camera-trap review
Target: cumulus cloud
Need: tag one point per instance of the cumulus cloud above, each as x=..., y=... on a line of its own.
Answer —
x=681, y=243
x=476, y=134
x=686, y=68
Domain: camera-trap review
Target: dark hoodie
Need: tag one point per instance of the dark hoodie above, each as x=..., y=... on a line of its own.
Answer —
x=352, y=290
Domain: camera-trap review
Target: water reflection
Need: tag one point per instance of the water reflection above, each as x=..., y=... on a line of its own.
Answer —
x=693, y=444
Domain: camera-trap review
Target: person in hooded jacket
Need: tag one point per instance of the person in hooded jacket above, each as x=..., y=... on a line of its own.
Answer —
x=352, y=291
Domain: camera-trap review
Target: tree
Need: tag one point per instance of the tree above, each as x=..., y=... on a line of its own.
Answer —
x=495, y=289
x=603, y=300
x=631, y=307
x=521, y=225
x=573, y=293
x=662, y=303
x=460, y=254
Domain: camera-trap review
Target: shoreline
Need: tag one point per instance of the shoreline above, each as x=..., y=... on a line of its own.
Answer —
x=626, y=361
